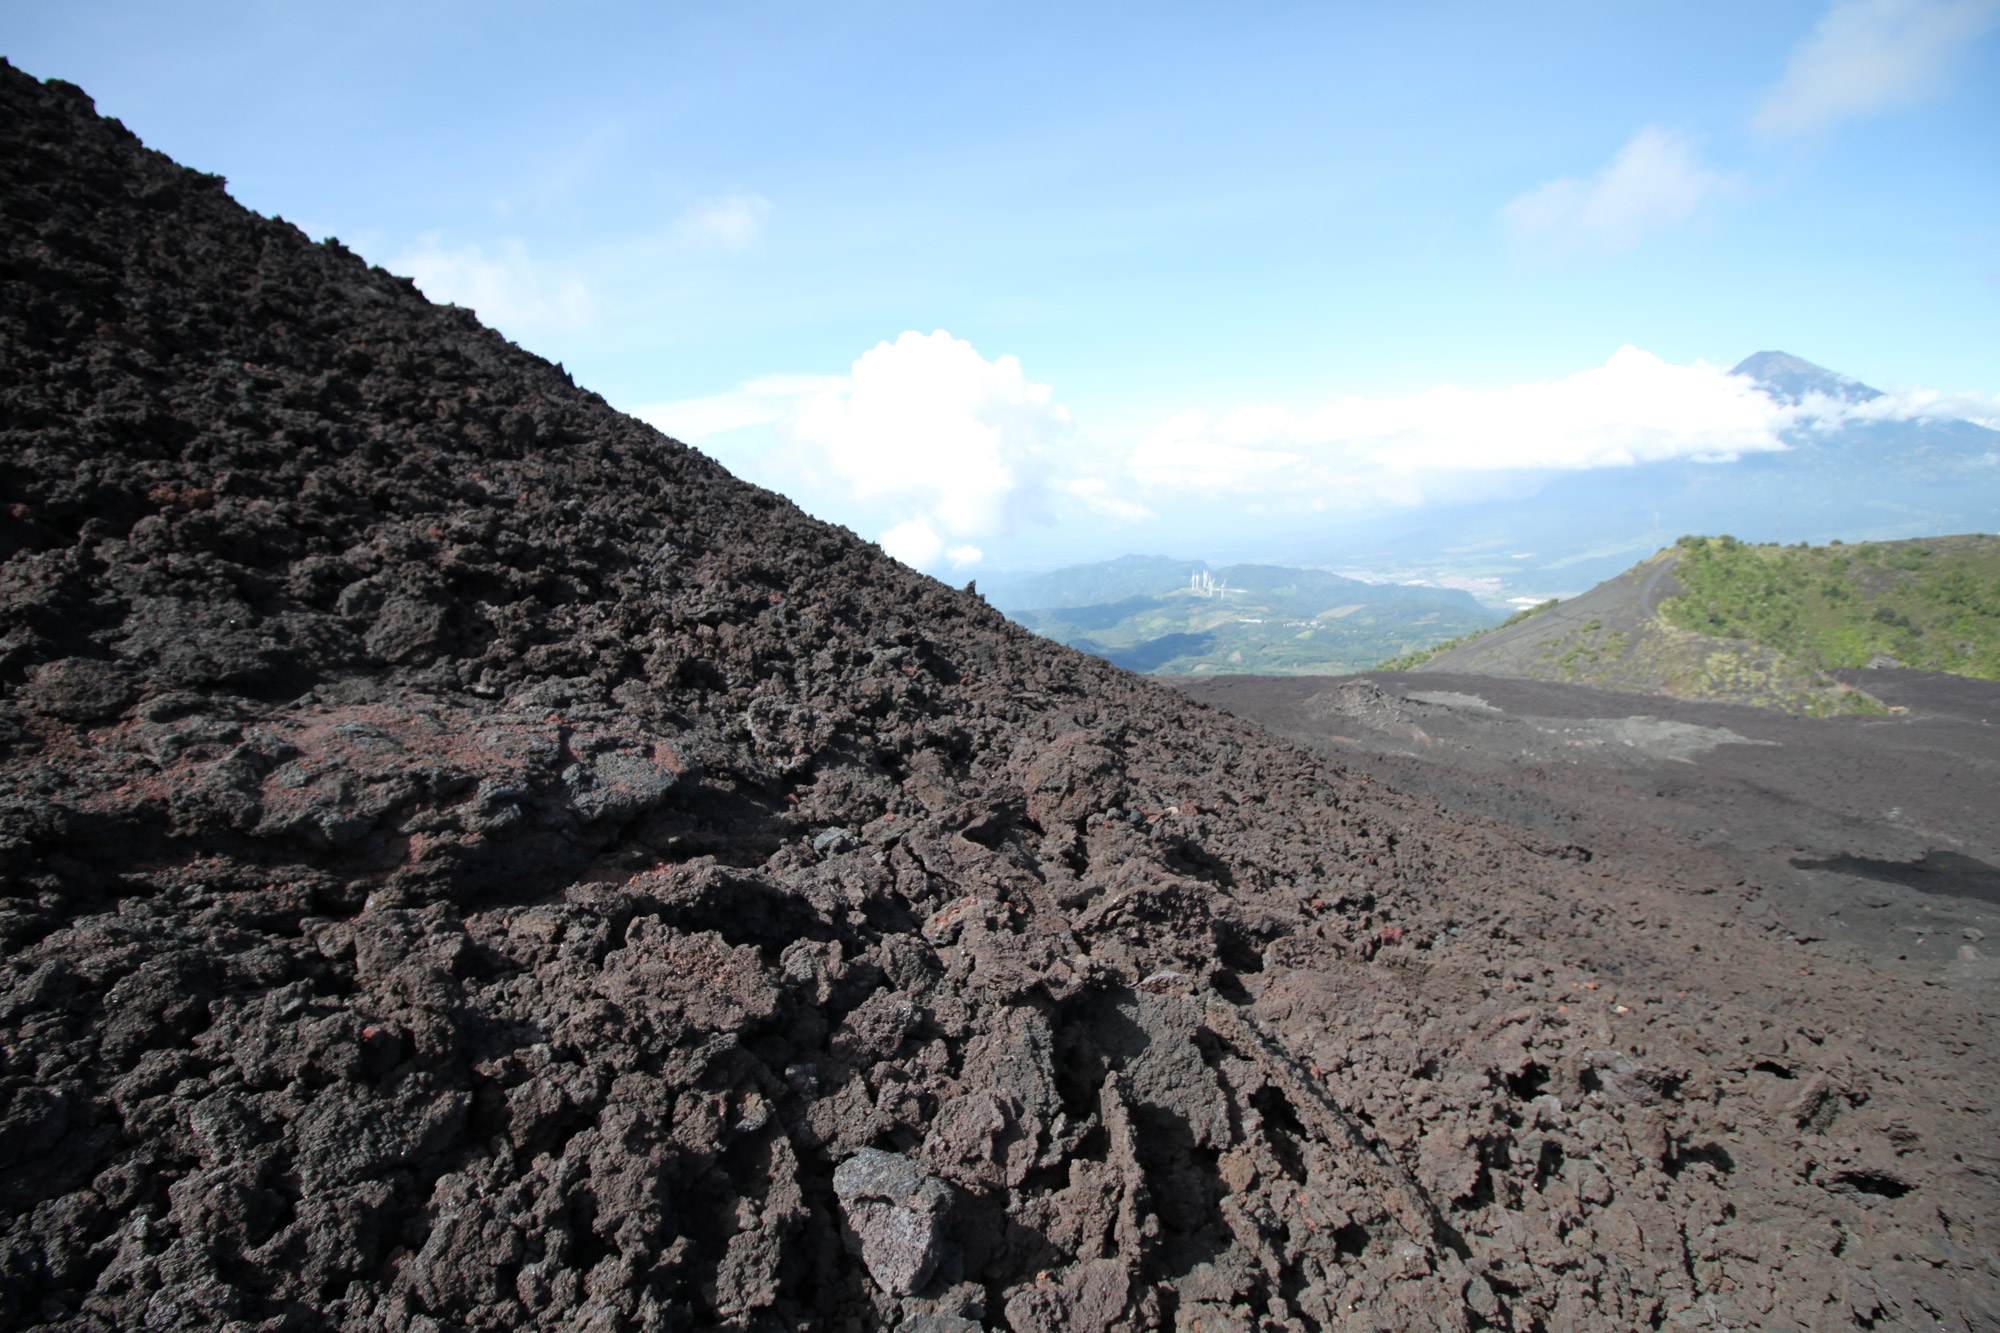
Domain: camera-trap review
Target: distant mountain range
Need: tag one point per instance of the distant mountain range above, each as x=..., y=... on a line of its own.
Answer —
x=1094, y=585
x=1155, y=613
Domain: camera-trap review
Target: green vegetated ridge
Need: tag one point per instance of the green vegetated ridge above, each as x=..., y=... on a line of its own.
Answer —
x=1933, y=603
x=1412, y=660
x=1614, y=637
x=1665, y=658
x=1261, y=620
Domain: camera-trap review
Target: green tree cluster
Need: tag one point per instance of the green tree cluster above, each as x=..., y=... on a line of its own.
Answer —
x=1932, y=604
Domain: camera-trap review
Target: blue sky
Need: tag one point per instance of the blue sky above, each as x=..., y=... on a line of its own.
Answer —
x=751, y=222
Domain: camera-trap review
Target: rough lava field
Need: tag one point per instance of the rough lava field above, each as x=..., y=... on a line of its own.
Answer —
x=1863, y=839
x=470, y=863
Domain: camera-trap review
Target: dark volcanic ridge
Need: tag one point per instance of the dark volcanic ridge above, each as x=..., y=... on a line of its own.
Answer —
x=469, y=863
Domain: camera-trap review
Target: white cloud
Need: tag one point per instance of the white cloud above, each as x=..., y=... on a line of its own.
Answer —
x=1356, y=452
x=525, y=297
x=1656, y=181
x=917, y=545
x=931, y=429
x=507, y=288
x=1187, y=453
x=1906, y=405
x=923, y=432
x=1096, y=495
x=761, y=402
x=729, y=222
x=1867, y=55
x=914, y=543
x=942, y=454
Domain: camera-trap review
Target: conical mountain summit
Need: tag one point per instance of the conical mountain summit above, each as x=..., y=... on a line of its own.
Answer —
x=1792, y=378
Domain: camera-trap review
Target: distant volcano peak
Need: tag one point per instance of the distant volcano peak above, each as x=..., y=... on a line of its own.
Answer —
x=1791, y=378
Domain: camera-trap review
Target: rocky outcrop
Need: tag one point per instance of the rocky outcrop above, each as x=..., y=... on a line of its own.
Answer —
x=471, y=863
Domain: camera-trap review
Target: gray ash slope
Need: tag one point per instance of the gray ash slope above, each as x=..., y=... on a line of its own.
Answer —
x=469, y=863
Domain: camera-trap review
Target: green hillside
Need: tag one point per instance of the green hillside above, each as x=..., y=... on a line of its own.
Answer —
x=1410, y=661
x=1614, y=637
x=1933, y=603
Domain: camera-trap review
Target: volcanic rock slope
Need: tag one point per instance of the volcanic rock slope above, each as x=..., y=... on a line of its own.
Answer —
x=471, y=863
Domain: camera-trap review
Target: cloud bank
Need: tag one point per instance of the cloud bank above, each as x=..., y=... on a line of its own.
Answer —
x=1655, y=182
x=939, y=453
x=1908, y=404
x=1868, y=55
x=949, y=447
x=1634, y=409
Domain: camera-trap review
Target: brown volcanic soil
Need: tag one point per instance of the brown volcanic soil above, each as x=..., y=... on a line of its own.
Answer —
x=470, y=863
x=1860, y=852
x=1873, y=836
